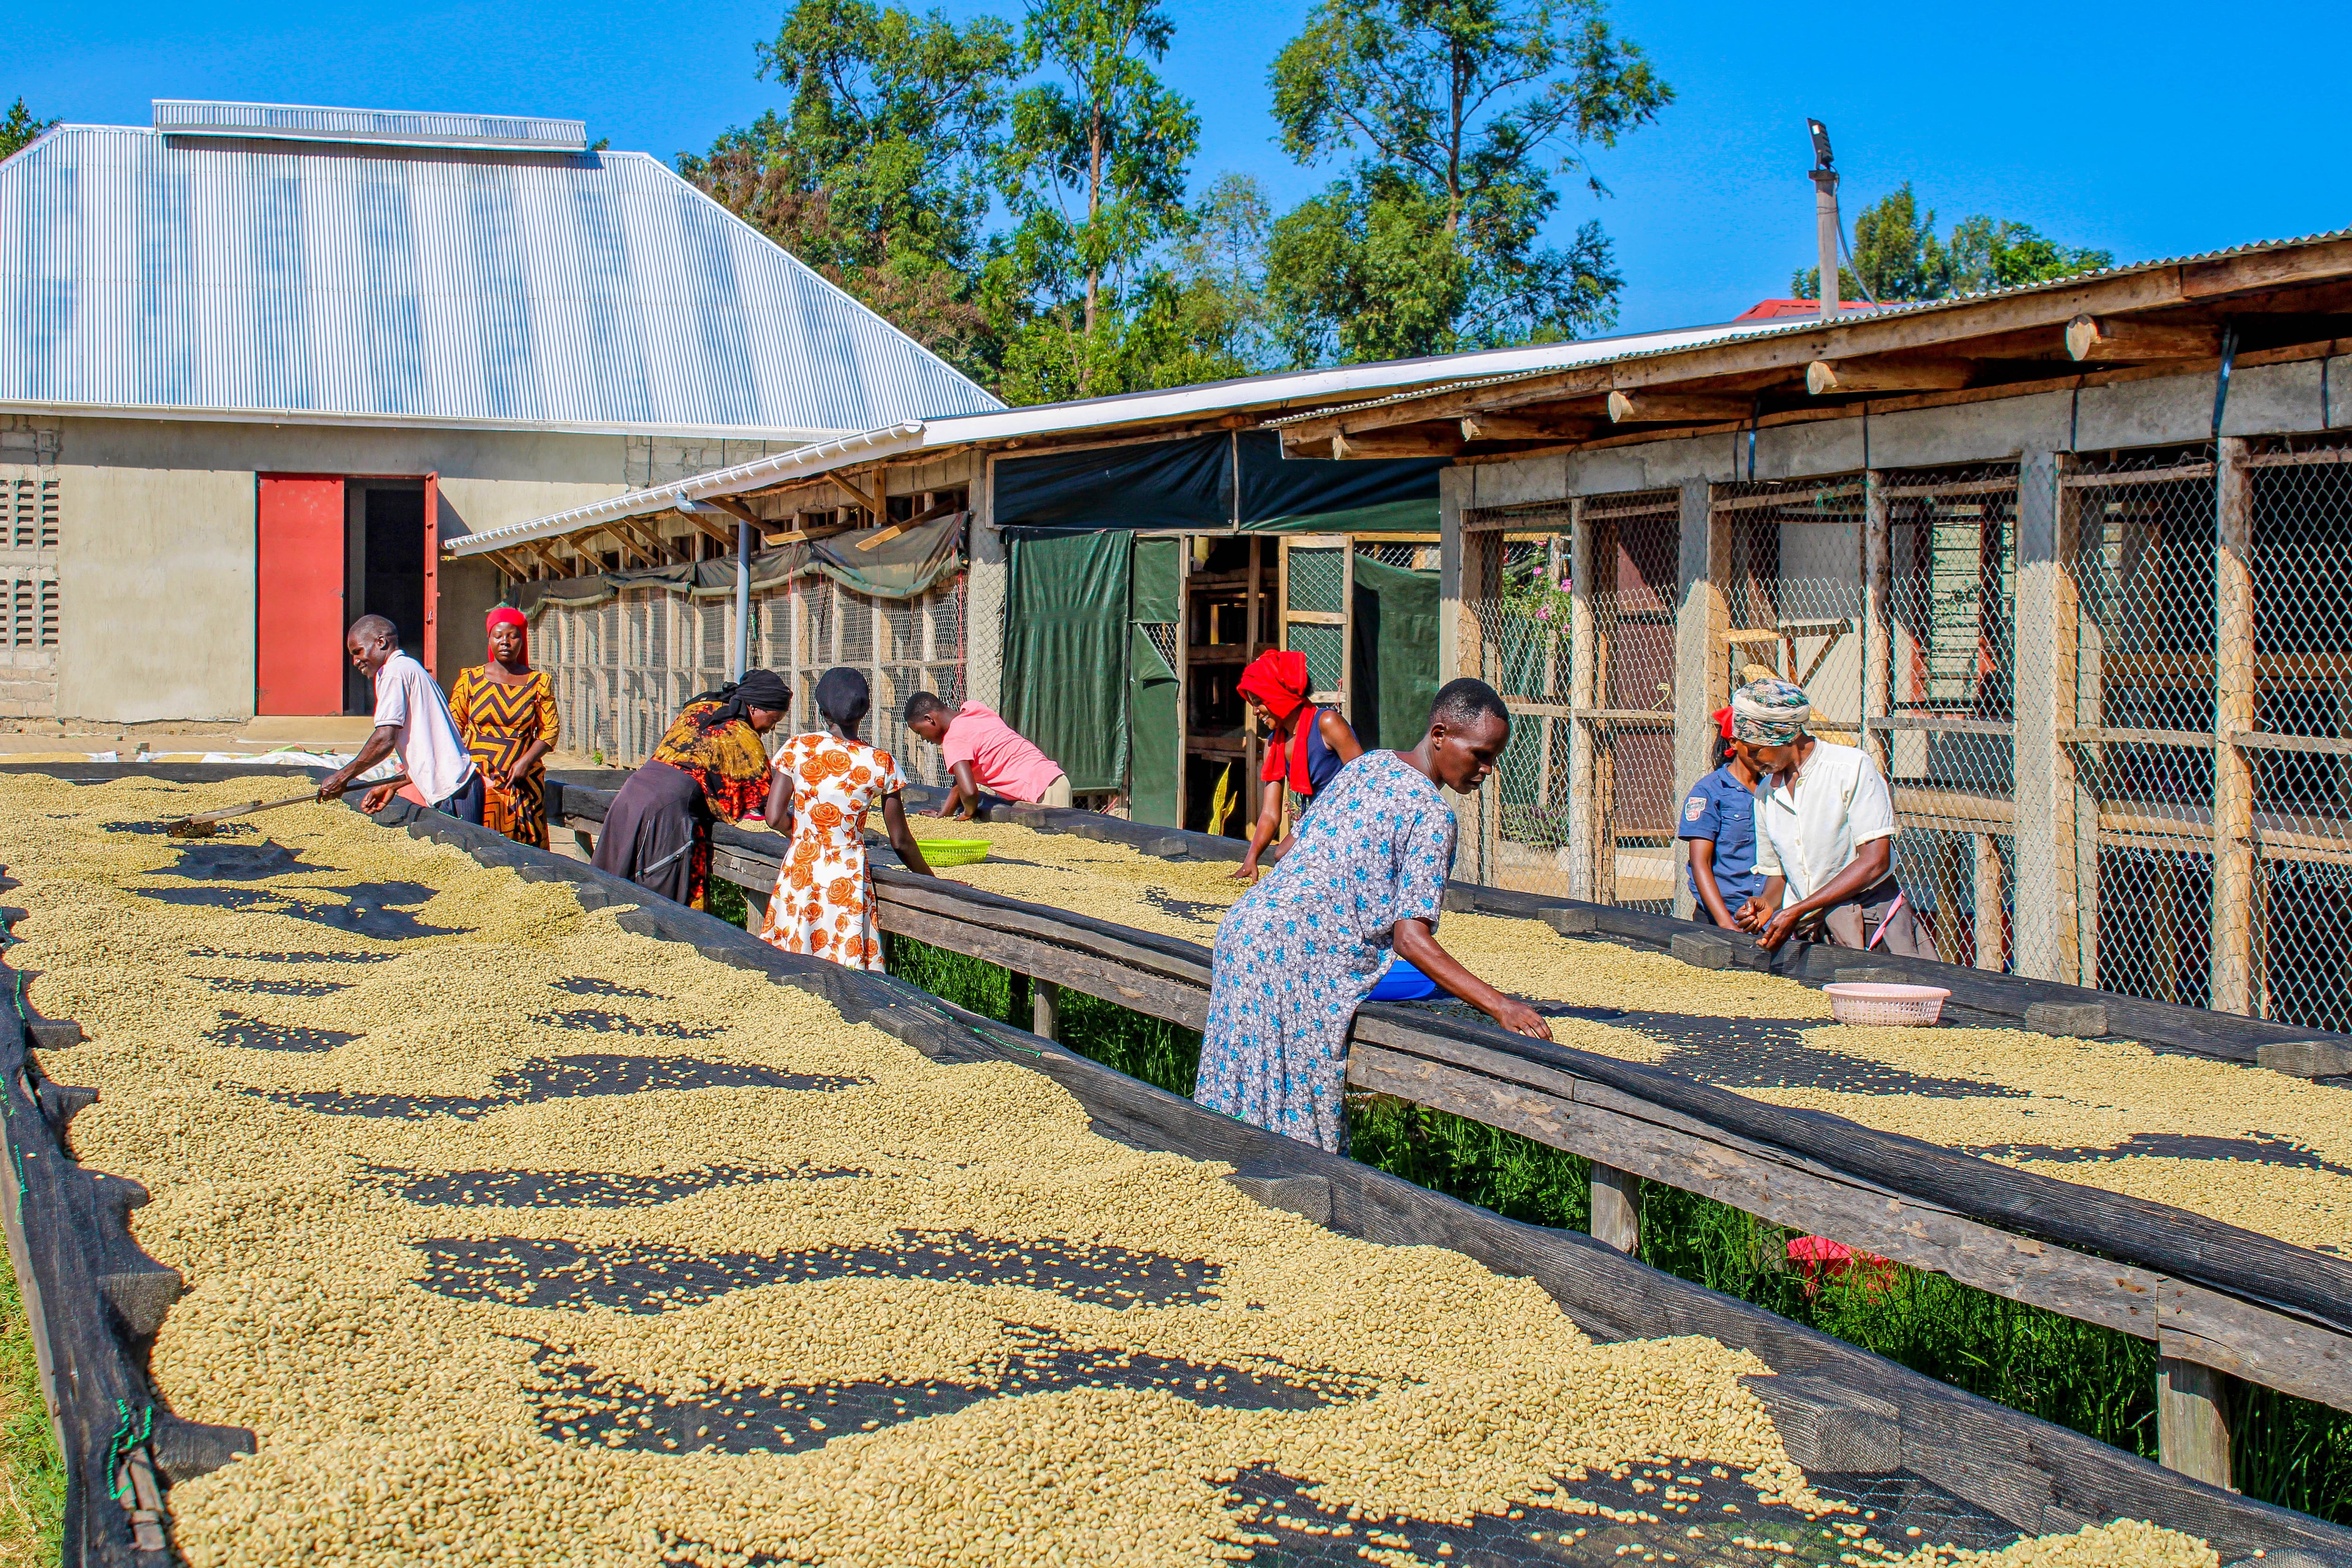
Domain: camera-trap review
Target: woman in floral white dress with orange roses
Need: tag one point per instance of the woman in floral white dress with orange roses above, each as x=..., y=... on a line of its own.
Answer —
x=823, y=787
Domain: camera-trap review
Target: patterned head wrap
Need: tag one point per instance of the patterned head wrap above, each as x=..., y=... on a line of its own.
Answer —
x=1770, y=712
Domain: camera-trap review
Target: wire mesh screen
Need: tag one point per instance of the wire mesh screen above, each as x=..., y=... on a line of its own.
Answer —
x=623, y=669
x=1795, y=588
x=1316, y=584
x=2298, y=499
x=1582, y=801
x=2139, y=530
x=1406, y=556
x=1943, y=725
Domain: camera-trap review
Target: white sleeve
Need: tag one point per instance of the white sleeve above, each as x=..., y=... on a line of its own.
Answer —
x=1870, y=816
x=1767, y=859
x=391, y=698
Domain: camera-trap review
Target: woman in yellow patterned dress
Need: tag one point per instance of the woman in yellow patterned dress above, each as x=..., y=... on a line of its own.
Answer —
x=823, y=786
x=506, y=711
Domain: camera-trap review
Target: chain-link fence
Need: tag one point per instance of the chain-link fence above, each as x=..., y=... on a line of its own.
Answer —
x=2137, y=531
x=1316, y=583
x=2192, y=814
x=622, y=669
x=1940, y=692
x=1574, y=625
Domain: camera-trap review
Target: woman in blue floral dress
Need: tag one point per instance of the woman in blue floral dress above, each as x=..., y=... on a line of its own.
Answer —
x=1364, y=882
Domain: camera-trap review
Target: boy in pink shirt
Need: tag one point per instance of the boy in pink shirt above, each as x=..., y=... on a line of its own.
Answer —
x=986, y=756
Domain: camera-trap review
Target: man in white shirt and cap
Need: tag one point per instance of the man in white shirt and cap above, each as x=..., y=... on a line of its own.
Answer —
x=1825, y=832
x=413, y=717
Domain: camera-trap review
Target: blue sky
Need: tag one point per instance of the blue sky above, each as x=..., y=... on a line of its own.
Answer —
x=2150, y=129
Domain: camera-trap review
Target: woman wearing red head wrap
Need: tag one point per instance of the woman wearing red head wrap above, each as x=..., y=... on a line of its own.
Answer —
x=506, y=711
x=1305, y=745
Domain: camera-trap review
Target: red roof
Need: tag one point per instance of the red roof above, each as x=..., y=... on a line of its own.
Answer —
x=1771, y=310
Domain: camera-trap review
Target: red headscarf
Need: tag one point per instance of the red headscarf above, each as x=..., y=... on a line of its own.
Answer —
x=508, y=616
x=1278, y=679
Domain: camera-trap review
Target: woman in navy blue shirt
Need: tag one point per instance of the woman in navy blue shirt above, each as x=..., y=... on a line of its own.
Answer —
x=1719, y=824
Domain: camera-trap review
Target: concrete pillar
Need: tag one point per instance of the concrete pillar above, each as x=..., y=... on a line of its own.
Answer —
x=1702, y=670
x=2043, y=893
x=984, y=664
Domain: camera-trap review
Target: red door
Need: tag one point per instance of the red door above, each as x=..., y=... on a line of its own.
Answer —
x=432, y=574
x=298, y=595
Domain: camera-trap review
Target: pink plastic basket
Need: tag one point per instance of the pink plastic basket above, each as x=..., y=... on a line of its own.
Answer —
x=1860, y=1003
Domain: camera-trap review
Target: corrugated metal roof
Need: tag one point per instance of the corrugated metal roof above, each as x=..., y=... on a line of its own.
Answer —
x=149, y=273
x=1769, y=327
x=395, y=127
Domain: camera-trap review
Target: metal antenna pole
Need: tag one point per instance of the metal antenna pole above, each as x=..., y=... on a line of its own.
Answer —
x=1826, y=223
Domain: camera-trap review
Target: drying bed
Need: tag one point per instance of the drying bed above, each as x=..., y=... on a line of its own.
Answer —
x=2256, y=1149
x=512, y=1229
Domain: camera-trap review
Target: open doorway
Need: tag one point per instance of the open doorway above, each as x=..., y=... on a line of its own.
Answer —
x=383, y=560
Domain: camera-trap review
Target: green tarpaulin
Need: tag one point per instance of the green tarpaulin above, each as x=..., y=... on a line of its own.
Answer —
x=1066, y=642
x=1395, y=654
x=900, y=568
x=1154, y=697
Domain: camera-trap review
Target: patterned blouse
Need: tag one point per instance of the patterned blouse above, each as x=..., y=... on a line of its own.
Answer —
x=499, y=723
x=728, y=761
x=824, y=901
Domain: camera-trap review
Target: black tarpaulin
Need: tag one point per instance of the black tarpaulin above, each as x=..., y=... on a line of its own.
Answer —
x=1215, y=482
x=1150, y=484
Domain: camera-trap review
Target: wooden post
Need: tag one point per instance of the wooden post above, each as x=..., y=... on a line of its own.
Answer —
x=2235, y=705
x=1252, y=644
x=2192, y=1422
x=2042, y=768
x=1988, y=901
x=1702, y=658
x=1018, y=997
x=1583, y=844
x=1878, y=625
x=1551, y=686
x=1482, y=586
x=2089, y=645
x=1616, y=1208
x=1045, y=1009
x=1946, y=876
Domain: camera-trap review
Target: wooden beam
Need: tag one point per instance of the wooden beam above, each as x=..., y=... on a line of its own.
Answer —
x=803, y=535
x=875, y=504
x=1890, y=373
x=651, y=542
x=2092, y=337
x=1430, y=443
x=2237, y=694
x=1668, y=407
x=719, y=530
x=931, y=513
x=2192, y=1420
x=1525, y=427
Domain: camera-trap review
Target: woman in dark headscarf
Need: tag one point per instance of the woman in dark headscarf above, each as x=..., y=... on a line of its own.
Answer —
x=824, y=784
x=712, y=765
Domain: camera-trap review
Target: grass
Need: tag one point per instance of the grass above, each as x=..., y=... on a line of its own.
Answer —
x=2095, y=1381
x=32, y=1473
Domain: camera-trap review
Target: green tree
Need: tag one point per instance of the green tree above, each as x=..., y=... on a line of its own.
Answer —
x=878, y=172
x=1092, y=173
x=1460, y=113
x=18, y=128
x=1896, y=255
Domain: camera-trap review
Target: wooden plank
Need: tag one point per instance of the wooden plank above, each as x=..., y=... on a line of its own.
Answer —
x=2280, y=1353
x=1431, y=441
x=1583, y=828
x=1108, y=980
x=1989, y=901
x=882, y=536
x=1045, y=1010
x=875, y=504
x=1942, y=725
x=2192, y=1426
x=1525, y=427
x=1877, y=623
x=2236, y=699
